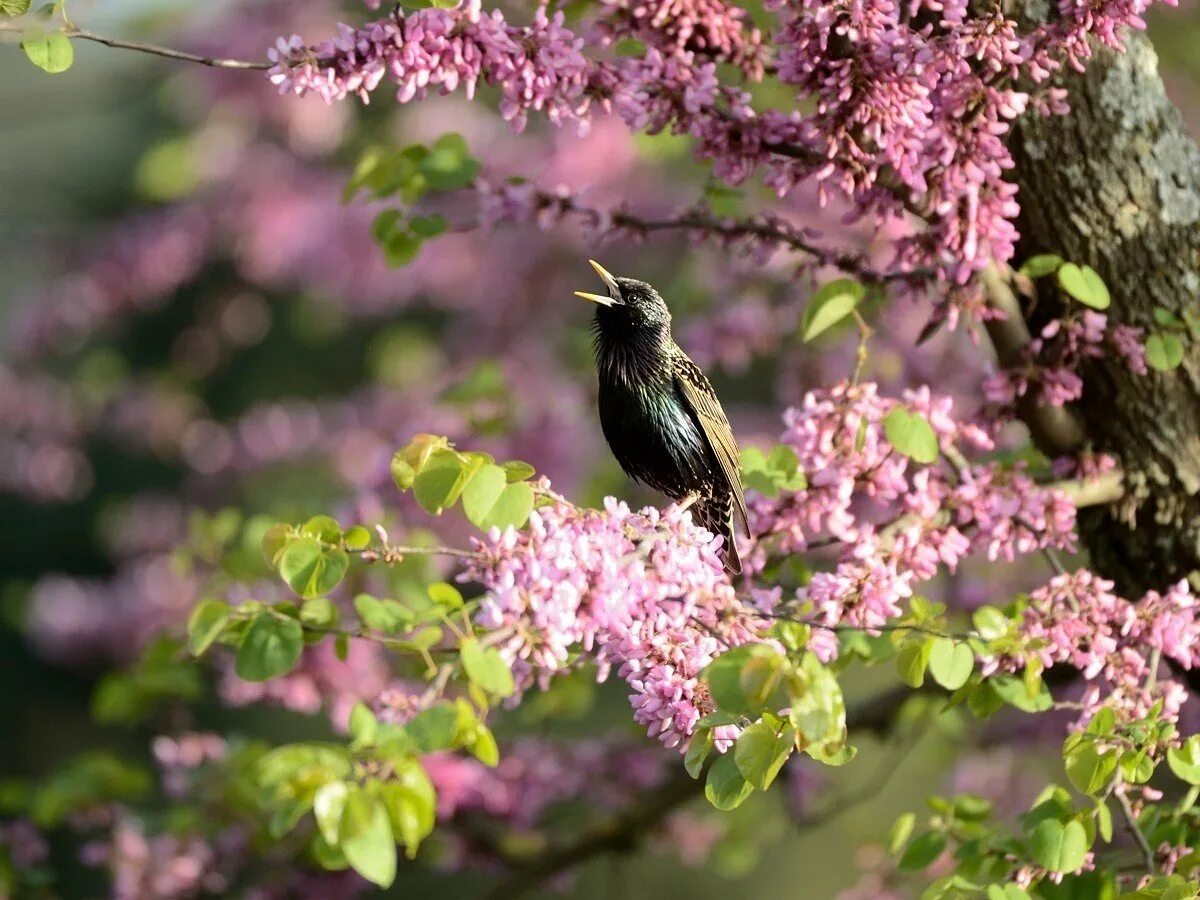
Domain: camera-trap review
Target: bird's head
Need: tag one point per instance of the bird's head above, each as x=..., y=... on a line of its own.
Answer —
x=629, y=310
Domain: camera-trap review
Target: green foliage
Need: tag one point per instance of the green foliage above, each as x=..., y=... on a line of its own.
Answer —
x=1164, y=351
x=950, y=662
x=1083, y=283
x=1184, y=760
x=751, y=684
x=761, y=751
x=86, y=782
x=492, y=495
x=1090, y=767
x=409, y=174
x=833, y=302
x=1059, y=846
x=162, y=674
x=13, y=8
x=726, y=788
x=271, y=646
x=1041, y=265
x=780, y=471
x=911, y=435
x=50, y=51
x=486, y=668
x=310, y=567
x=364, y=800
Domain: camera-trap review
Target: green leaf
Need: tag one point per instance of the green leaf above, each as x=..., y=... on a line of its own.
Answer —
x=481, y=493
x=1006, y=892
x=1058, y=847
x=923, y=850
x=1041, y=265
x=366, y=837
x=818, y=711
x=725, y=786
x=911, y=435
x=319, y=613
x=386, y=616
x=484, y=747
x=900, y=832
x=311, y=569
x=449, y=166
x=1184, y=760
x=325, y=528
x=205, y=625
x=445, y=595
x=441, y=481
x=274, y=542
x=911, y=662
x=1104, y=821
x=724, y=678
x=52, y=53
x=990, y=623
x=829, y=305
x=363, y=726
x=699, y=747
x=428, y=226
x=1089, y=769
x=1136, y=766
x=486, y=668
x=1164, y=351
x=760, y=753
x=329, y=802
x=512, y=509
x=434, y=728
x=1085, y=285
x=950, y=663
x=357, y=538
x=1167, y=319
x=14, y=8
x=271, y=646
x=1014, y=692
x=517, y=470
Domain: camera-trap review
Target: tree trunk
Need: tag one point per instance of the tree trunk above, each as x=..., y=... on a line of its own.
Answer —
x=1116, y=184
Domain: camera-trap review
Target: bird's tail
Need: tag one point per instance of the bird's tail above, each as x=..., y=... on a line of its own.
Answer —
x=716, y=515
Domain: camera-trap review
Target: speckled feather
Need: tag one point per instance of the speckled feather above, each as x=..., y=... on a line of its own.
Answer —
x=660, y=415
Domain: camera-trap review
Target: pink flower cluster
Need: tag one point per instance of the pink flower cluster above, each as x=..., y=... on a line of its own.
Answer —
x=897, y=522
x=911, y=112
x=710, y=29
x=1077, y=620
x=539, y=67
x=644, y=592
x=1053, y=358
x=180, y=755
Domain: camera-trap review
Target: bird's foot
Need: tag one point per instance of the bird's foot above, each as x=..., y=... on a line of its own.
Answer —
x=688, y=501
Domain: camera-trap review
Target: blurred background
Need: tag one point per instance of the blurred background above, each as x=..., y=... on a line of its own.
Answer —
x=201, y=338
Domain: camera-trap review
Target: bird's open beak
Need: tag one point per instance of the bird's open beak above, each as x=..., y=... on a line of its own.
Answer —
x=614, y=289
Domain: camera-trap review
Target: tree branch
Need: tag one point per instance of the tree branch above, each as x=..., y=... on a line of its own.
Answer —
x=215, y=62
x=624, y=831
x=1055, y=429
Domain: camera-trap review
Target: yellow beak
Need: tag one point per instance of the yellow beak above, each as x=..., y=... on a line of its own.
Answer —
x=614, y=289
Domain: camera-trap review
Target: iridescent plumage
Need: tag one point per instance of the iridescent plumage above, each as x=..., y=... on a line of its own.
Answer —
x=659, y=412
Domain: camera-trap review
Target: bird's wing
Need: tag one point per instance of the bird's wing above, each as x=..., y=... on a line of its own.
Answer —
x=701, y=399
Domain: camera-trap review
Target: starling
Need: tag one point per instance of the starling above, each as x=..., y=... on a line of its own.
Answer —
x=659, y=413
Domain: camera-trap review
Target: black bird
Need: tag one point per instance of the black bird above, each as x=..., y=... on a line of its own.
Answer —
x=659, y=413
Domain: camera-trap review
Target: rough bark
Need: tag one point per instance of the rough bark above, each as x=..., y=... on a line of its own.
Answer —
x=1116, y=184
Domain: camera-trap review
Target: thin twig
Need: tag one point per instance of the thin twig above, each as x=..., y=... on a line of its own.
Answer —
x=1139, y=838
x=215, y=62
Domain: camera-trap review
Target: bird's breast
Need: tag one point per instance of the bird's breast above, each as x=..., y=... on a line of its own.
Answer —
x=652, y=436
